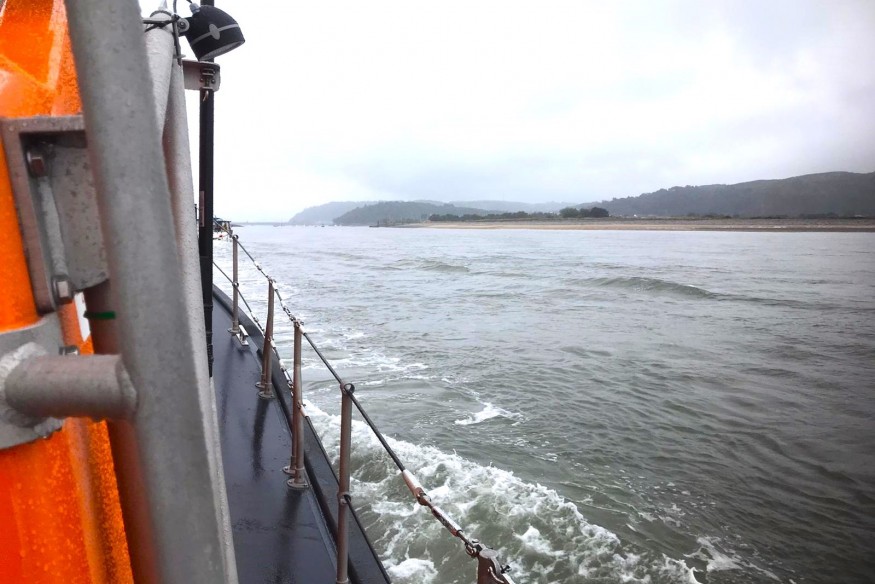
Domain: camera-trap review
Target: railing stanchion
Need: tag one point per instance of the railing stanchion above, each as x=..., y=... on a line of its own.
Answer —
x=343, y=490
x=489, y=568
x=296, y=464
x=238, y=331
x=267, y=348
x=235, y=320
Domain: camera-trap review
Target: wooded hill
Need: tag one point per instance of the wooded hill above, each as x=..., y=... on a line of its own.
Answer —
x=325, y=214
x=844, y=194
x=399, y=212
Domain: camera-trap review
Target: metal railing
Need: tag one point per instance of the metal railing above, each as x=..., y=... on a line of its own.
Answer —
x=295, y=468
x=489, y=568
x=166, y=453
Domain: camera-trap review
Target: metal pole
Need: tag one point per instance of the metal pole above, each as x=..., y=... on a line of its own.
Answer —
x=137, y=223
x=298, y=410
x=343, y=491
x=123, y=442
x=296, y=465
x=205, y=188
x=267, y=348
x=179, y=174
x=235, y=320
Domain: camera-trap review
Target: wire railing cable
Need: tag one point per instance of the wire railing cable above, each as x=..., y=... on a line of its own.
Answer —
x=243, y=298
x=377, y=433
x=490, y=570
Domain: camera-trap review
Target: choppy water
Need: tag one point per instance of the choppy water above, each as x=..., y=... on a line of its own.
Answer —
x=600, y=406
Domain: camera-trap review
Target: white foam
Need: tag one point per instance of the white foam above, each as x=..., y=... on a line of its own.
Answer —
x=718, y=560
x=677, y=571
x=543, y=535
x=534, y=541
x=487, y=413
x=413, y=569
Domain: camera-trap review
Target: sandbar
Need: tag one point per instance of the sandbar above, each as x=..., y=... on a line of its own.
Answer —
x=668, y=224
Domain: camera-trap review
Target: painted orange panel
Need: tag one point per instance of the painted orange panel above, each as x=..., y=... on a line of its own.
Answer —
x=33, y=34
x=42, y=511
x=37, y=76
x=60, y=517
x=60, y=512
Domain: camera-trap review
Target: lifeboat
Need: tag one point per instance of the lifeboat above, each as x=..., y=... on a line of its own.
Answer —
x=137, y=436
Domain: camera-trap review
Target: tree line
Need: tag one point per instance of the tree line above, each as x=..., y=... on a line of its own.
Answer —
x=566, y=213
x=574, y=212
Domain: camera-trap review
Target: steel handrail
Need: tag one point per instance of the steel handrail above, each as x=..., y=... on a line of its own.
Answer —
x=489, y=568
x=165, y=453
x=295, y=468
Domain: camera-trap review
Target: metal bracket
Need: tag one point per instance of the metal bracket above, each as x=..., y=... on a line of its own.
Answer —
x=241, y=335
x=198, y=75
x=16, y=346
x=57, y=206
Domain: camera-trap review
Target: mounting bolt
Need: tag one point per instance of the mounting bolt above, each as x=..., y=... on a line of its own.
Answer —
x=63, y=289
x=36, y=162
x=68, y=350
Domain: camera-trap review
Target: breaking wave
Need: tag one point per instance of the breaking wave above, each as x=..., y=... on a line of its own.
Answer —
x=541, y=534
x=429, y=266
x=669, y=288
x=644, y=284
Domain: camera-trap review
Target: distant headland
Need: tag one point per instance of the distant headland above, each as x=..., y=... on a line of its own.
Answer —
x=838, y=200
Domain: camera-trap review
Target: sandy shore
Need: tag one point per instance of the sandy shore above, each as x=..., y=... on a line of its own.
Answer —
x=673, y=224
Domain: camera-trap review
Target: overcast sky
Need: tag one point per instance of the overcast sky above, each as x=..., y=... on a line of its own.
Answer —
x=535, y=101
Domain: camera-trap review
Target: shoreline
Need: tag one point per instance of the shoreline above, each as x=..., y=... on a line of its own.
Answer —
x=674, y=224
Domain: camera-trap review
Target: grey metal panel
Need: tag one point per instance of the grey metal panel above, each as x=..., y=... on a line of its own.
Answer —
x=57, y=204
x=41, y=152
x=202, y=75
x=28, y=215
x=72, y=187
x=134, y=200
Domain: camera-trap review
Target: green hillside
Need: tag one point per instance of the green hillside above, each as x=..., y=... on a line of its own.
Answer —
x=840, y=193
x=325, y=214
x=398, y=212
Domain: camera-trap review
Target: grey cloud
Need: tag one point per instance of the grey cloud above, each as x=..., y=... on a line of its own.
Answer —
x=562, y=101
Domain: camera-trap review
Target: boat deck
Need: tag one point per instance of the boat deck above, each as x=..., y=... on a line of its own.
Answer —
x=281, y=535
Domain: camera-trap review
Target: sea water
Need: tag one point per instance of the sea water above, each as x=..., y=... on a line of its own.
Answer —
x=600, y=406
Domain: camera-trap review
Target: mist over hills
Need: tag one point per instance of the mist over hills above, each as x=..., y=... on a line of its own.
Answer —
x=831, y=193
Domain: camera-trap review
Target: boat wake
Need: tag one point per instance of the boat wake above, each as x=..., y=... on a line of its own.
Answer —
x=541, y=534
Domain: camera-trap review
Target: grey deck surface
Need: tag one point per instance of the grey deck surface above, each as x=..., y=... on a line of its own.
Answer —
x=281, y=535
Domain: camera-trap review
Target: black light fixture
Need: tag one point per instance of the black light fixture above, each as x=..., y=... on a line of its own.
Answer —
x=210, y=31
